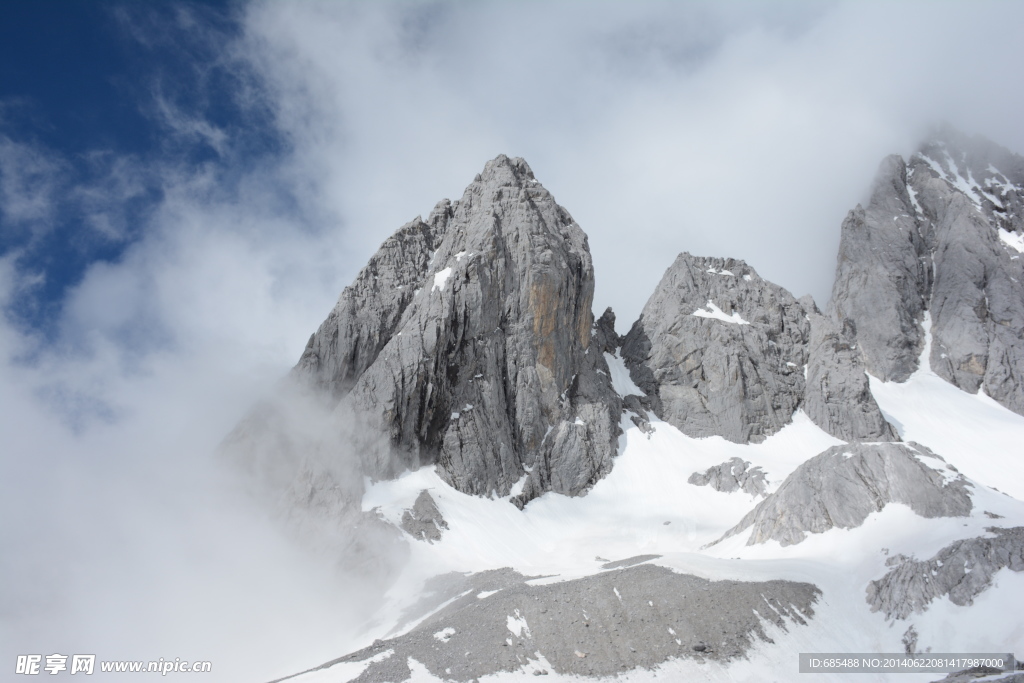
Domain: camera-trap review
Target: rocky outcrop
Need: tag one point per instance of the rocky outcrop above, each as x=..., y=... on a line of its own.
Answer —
x=961, y=570
x=605, y=339
x=975, y=231
x=942, y=233
x=719, y=351
x=489, y=373
x=838, y=394
x=733, y=475
x=846, y=483
x=370, y=310
x=988, y=174
x=424, y=521
x=599, y=625
x=466, y=343
x=883, y=276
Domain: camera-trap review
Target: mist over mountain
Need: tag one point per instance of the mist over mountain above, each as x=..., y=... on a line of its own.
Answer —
x=186, y=187
x=474, y=417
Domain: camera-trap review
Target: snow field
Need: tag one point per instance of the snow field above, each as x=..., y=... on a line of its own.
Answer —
x=646, y=507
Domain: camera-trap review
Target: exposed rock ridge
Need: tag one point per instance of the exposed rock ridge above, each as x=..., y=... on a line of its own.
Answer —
x=466, y=342
x=635, y=617
x=733, y=475
x=605, y=339
x=961, y=570
x=977, y=301
x=943, y=233
x=883, y=276
x=369, y=310
x=838, y=394
x=990, y=175
x=719, y=351
x=424, y=521
x=843, y=485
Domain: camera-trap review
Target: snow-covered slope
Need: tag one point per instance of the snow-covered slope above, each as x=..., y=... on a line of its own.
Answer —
x=740, y=479
x=645, y=507
x=981, y=438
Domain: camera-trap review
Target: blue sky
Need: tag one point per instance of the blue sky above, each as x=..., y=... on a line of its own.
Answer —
x=89, y=96
x=104, y=105
x=185, y=188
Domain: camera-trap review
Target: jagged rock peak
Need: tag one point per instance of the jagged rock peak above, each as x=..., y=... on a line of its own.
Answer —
x=989, y=175
x=943, y=233
x=843, y=485
x=350, y=338
x=466, y=341
x=838, y=395
x=605, y=339
x=883, y=276
x=974, y=211
x=719, y=351
x=504, y=170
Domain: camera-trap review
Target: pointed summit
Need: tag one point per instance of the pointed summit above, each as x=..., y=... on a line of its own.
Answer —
x=944, y=235
x=507, y=171
x=464, y=343
x=719, y=350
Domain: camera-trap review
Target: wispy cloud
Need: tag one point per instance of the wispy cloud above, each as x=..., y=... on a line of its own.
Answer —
x=29, y=180
x=747, y=131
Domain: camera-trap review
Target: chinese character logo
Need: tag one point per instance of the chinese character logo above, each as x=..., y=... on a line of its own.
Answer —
x=83, y=664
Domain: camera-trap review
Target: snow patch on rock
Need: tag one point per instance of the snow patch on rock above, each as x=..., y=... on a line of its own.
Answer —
x=717, y=313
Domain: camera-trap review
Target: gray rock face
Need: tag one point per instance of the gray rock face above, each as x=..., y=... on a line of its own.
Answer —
x=599, y=625
x=846, y=483
x=466, y=342
x=424, y=521
x=990, y=175
x=883, y=276
x=977, y=301
x=838, y=395
x=720, y=351
x=943, y=233
x=733, y=475
x=605, y=339
x=369, y=310
x=961, y=570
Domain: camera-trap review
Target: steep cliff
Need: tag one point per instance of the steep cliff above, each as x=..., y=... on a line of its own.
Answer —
x=943, y=233
x=466, y=343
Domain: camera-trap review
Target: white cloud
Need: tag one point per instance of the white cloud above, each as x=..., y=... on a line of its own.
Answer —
x=29, y=179
x=123, y=537
x=189, y=127
x=753, y=142
x=747, y=131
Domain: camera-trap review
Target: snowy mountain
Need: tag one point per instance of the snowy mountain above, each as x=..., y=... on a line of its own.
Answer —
x=740, y=478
